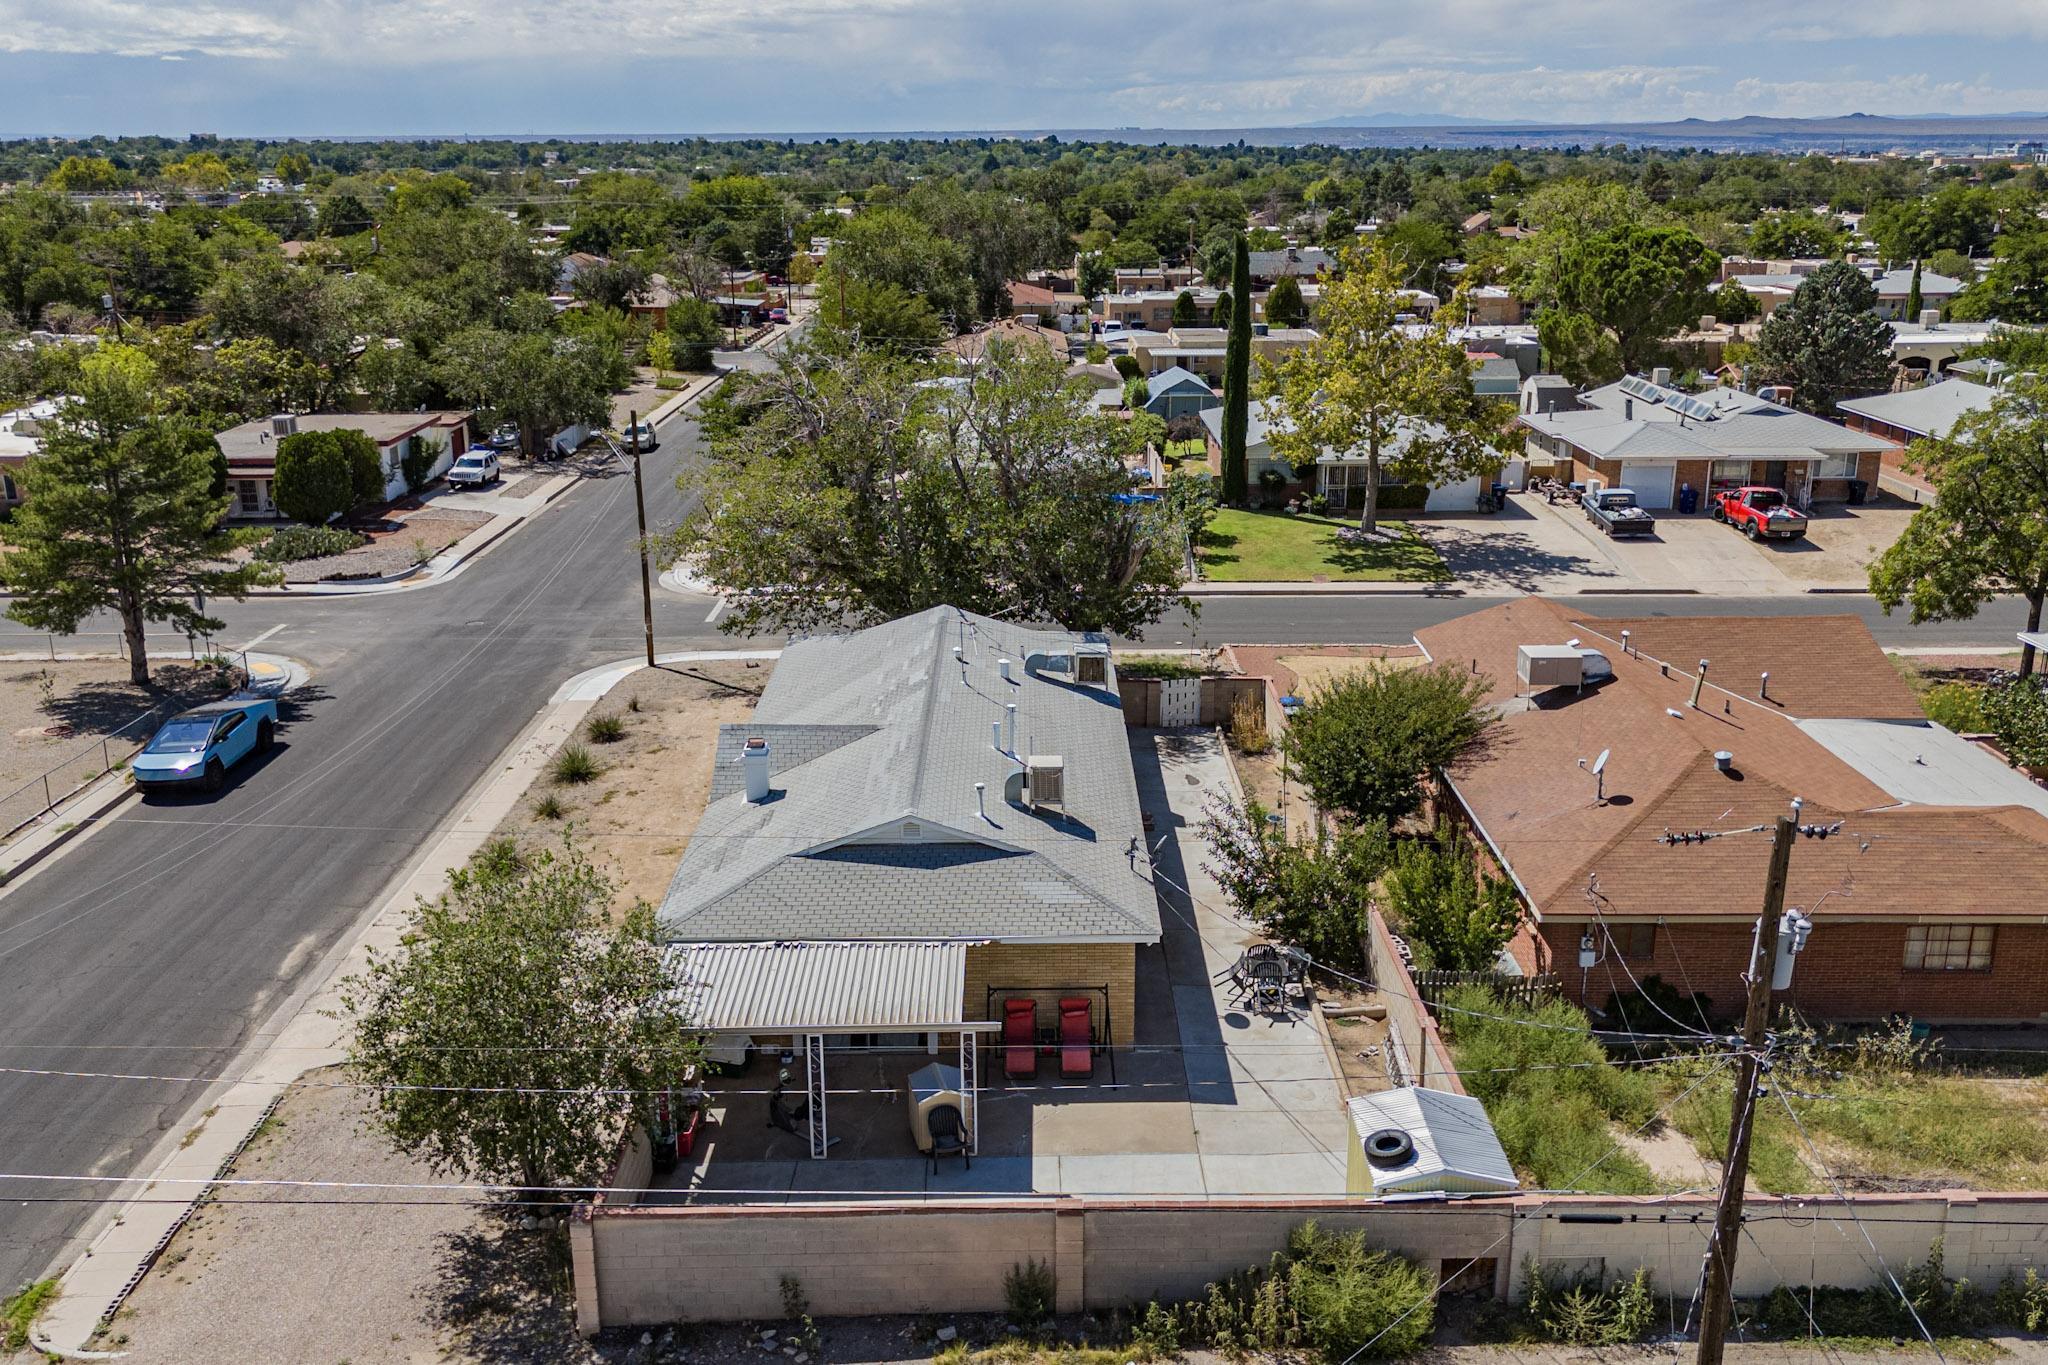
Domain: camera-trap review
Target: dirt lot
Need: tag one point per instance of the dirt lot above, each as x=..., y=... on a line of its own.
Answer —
x=1851, y=539
x=405, y=535
x=54, y=715
x=637, y=813
x=252, y=1277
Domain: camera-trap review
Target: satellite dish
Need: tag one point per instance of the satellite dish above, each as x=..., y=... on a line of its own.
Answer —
x=1600, y=763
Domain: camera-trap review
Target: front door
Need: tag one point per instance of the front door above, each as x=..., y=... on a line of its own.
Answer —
x=1774, y=473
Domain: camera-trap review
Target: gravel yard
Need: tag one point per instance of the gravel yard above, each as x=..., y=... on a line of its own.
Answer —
x=635, y=816
x=343, y=1278
x=405, y=537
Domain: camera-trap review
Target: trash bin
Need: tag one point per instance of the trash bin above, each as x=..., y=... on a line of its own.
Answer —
x=1688, y=499
x=1858, y=491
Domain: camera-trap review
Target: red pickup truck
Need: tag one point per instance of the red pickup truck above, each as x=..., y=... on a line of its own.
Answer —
x=1760, y=514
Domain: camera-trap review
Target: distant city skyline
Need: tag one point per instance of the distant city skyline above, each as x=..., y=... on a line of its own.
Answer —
x=390, y=67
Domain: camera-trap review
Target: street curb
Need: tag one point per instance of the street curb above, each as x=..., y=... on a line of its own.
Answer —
x=220, y=1122
x=1841, y=592
x=1633, y=592
x=1325, y=590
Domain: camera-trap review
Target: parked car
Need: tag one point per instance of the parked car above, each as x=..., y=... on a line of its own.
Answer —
x=1614, y=511
x=1760, y=513
x=778, y=316
x=504, y=438
x=640, y=436
x=198, y=747
x=474, y=470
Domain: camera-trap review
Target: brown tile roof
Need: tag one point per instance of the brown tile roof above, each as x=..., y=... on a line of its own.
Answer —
x=1026, y=297
x=1539, y=810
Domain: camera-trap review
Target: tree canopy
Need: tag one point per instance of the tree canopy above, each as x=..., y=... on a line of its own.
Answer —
x=1827, y=340
x=1619, y=295
x=322, y=474
x=1364, y=743
x=1398, y=397
x=840, y=487
x=1986, y=532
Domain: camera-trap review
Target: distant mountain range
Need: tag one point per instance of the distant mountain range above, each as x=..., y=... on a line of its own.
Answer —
x=1394, y=120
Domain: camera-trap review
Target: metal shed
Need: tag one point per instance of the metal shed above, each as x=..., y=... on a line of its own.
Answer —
x=1446, y=1145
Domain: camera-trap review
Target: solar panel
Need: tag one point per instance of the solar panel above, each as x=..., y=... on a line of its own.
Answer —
x=1697, y=408
x=1635, y=386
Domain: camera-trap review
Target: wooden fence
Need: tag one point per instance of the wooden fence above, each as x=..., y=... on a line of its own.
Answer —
x=1529, y=991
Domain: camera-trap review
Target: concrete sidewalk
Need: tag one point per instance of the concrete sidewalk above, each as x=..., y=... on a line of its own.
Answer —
x=306, y=1033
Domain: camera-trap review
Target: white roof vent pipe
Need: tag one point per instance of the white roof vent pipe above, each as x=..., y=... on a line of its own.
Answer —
x=754, y=761
x=1003, y=669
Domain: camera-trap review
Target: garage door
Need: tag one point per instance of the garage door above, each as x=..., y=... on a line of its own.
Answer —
x=1652, y=482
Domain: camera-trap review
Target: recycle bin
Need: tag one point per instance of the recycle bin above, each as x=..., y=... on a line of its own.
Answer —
x=1688, y=499
x=1858, y=491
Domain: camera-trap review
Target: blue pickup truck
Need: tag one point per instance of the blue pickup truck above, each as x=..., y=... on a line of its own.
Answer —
x=197, y=747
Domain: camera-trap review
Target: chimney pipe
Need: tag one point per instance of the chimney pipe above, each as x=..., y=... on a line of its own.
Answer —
x=981, y=799
x=1763, y=686
x=1013, y=727
x=1624, y=642
x=1003, y=669
x=1628, y=409
x=1699, y=681
x=995, y=735
x=754, y=759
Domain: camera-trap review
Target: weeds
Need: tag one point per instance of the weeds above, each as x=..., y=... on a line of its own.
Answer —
x=19, y=1314
x=573, y=765
x=549, y=807
x=633, y=704
x=1248, y=727
x=1029, y=1291
x=1581, y=1313
x=605, y=729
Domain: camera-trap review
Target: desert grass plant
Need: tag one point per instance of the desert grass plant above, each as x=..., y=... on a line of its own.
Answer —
x=573, y=766
x=549, y=807
x=605, y=728
x=1248, y=727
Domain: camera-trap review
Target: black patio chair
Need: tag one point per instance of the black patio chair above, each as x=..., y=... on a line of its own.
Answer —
x=948, y=1137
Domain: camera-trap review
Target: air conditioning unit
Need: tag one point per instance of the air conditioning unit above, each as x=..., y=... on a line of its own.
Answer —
x=1549, y=665
x=284, y=425
x=1045, y=779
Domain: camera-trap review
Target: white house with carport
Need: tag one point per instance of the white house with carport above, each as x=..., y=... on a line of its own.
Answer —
x=1341, y=476
x=1643, y=434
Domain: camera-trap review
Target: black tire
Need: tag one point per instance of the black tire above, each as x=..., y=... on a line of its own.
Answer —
x=266, y=735
x=1716, y=513
x=215, y=777
x=1753, y=531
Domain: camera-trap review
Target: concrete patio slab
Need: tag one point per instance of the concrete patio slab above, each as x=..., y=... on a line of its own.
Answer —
x=1236, y=1131
x=1276, y=1175
x=1107, y=1128
x=1179, y=1173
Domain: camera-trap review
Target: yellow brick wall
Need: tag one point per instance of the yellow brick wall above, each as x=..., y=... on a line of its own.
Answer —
x=1047, y=967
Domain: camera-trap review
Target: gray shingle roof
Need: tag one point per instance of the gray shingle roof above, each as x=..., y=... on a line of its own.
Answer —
x=1743, y=427
x=871, y=830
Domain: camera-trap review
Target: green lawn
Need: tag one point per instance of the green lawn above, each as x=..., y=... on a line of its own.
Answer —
x=1176, y=451
x=1241, y=546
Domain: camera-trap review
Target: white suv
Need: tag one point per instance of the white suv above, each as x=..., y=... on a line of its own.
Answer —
x=643, y=432
x=475, y=469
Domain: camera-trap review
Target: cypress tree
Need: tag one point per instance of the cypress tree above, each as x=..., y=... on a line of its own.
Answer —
x=1237, y=374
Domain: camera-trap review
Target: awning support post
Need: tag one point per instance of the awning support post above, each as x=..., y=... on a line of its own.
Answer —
x=814, y=1090
x=970, y=1090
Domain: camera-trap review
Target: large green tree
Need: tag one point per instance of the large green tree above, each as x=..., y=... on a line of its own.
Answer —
x=122, y=514
x=1397, y=396
x=1284, y=304
x=840, y=488
x=1237, y=378
x=521, y=949
x=537, y=382
x=1364, y=743
x=1986, y=532
x=322, y=474
x=1619, y=296
x=1827, y=341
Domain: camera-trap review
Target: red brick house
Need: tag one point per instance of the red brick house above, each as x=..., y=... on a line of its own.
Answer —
x=1929, y=898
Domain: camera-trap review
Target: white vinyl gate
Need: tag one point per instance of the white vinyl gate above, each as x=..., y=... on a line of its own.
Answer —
x=1180, y=701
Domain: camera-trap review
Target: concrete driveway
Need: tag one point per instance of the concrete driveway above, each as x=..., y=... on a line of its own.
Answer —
x=1535, y=546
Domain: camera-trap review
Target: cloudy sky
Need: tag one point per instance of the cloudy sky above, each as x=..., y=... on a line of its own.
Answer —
x=579, y=66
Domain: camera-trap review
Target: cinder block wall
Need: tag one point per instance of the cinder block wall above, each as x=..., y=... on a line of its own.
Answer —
x=650, y=1265
x=1422, y=1046
x=1049, y=966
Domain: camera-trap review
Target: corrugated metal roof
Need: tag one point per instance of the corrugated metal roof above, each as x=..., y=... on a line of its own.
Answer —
x=1455, y=1147
x=867, y=987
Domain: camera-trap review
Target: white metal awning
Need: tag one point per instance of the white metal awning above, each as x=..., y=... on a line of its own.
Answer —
x=2037, y=638
x=810, y=987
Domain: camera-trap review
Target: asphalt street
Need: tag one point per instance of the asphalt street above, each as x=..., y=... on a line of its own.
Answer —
x=163, y=941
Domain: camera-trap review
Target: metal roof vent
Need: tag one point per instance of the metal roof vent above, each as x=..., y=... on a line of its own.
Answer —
x=1724, y=760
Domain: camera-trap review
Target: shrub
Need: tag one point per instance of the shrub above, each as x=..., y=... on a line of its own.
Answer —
x=418, y=463
x=321, y=474
x=1128, y=368
x=1958, y=705
x=1581, y=1313
x=549, y=807
x=499, y=857
x=1457, y=918
x=605, y=729
x=693, y=333
x=2016, y=709
x=1248, y=727
x=573, y=765
x=294, y=543
x=1363, y=742
x=1029, y=1292
x=1156, y=666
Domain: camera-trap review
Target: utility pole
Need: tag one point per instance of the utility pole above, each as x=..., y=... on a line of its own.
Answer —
x=1717, y=1301
x=640, y=507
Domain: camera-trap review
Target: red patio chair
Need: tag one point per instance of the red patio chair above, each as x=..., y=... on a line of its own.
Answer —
x=1077, y=1038
x=1020, y=1039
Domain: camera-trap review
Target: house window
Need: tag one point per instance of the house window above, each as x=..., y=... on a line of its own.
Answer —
x=1949, y=948
x=1730, y=472
x=1633, y=940
x=245, y=491
x=1836, y=467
